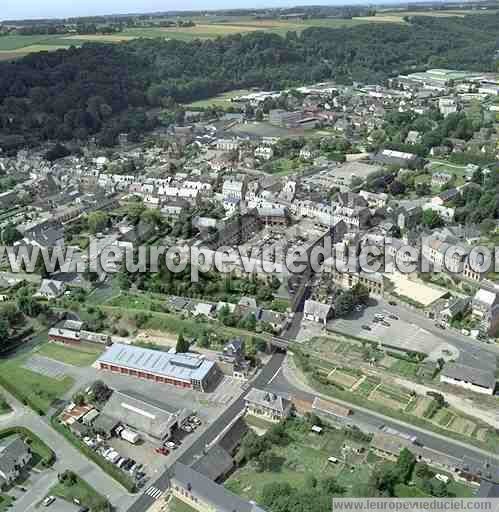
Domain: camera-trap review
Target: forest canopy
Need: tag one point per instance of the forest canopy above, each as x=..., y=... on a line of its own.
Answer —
x=104, y=89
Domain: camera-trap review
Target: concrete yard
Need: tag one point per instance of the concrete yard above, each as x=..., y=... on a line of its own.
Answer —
x=416, y=290
x=399, y=334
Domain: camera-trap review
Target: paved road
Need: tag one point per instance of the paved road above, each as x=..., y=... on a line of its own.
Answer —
x=189, y=456
x=371, y=421
x=471, y=352
x=68, y=457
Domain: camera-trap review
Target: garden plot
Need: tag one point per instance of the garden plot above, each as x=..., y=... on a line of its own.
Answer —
x=368, y=385
x=343, y=378
x=420, y=406
x=444, y=417
x=462, y=426
x=392, y=397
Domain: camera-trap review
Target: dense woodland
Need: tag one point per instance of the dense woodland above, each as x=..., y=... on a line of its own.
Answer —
x=104, y=89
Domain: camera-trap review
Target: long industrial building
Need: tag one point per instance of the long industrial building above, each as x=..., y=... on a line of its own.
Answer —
x=180, y=370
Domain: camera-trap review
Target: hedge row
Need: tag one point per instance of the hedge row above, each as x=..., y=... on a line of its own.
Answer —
x=108, y=467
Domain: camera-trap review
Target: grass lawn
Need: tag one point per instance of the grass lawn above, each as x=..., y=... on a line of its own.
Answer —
x=5, y=502
x=84, y=355
x=306, y=454
x=39, y=391
x=280, y=305
x=259, y=423
x=405, y=368
x=10, y=43
x=173, y=324
x=175, y=505
x=221, y=100
x=407, y=491
x=80, y=490
x=4, y=406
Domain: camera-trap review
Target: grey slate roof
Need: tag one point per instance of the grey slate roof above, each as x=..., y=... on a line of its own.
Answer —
x=209, y=492
x=476, y=376
x=214, y=464
x=11, y=449
x=267, y=399
x=145, y=415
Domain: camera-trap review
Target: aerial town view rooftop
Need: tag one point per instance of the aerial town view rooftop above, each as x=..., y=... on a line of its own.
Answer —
x=248, y=256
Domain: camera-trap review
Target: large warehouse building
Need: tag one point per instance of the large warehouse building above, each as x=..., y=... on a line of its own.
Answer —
x=144, y=415
x=181, y=370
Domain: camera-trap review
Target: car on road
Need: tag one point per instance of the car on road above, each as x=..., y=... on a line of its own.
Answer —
x=392, y=303
x=393, y=317
x=385, y=323
x=162, y=450
x=366, y=327
x=439, y=325
x=48, y=501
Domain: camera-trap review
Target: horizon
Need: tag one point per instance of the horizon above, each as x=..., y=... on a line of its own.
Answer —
x=58, y=9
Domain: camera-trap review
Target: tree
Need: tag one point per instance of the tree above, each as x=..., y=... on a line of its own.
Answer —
x=344, y=303
x=360, y=294
x=329, y=485
x=405, y=465
x=10, y=234
x=310, y=481
x=182, y=344
x=432, y=219
x=97, y=221
x=79, y=399
x=4, y=332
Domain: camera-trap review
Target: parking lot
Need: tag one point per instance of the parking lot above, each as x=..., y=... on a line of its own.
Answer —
x=45, y=366
x=396, y=333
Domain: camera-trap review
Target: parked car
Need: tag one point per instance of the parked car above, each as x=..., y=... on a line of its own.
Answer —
x=162, y=450
x=385, y=323
x=393, y=317
x=48, y=501
x=366, y=327
x=392, y=303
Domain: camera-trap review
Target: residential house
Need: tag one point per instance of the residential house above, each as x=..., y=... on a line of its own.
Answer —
x=267, y=405
x=485, y=307
x=264, y=152
x=413, y=137
x=14, y=456
x=51, y=289
x=316, y=311
x=204, y=495
x=439, y=179
x=445, y=197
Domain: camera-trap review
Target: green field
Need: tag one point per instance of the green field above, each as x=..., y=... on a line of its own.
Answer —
x=79, y=490
x=84, y=355
x=209, y=27
x=306, y=455
x=175, y=505
x=39, y=391
x=222, y=100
